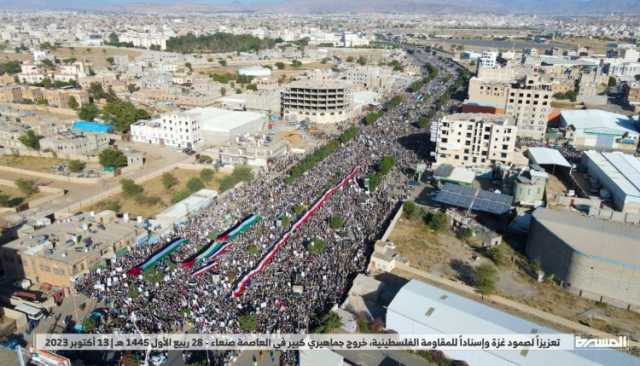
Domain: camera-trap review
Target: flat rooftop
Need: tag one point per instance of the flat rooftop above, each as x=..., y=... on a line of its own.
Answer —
x=223, y=120
x=596, y=121
x=622, y=169
x=92, y=238
x=478, y=117
x=596, y=238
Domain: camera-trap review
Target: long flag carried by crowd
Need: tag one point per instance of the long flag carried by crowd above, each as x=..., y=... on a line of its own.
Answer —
x=221, y=243
x=156, y=257
x=283, y=240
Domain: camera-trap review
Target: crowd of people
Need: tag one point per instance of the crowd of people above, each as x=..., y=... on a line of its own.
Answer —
x=299, y=285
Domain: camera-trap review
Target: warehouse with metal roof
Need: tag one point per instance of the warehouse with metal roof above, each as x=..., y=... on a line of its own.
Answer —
x=600, y=130
x=619, y=175
x=592, y=257
x=420, y=308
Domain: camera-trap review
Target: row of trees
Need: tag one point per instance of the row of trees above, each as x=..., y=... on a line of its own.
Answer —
x=218, y=42
x=321, y=153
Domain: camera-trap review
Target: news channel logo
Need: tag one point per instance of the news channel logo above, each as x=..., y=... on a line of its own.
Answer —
x=602, y=343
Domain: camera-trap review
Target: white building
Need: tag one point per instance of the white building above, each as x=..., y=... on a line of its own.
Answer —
x=488, y=59
x=255, y=71
x=354, y=40
x=198, y=126
x=474, y=139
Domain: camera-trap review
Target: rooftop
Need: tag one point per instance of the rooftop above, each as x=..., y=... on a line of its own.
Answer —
x=217, y=119
x=75, y=238
x=596, y=121
x=318, y=84
x=547, y=156
x=478, y=117
x=599, y=239
x=443, y=312
x=622, y=169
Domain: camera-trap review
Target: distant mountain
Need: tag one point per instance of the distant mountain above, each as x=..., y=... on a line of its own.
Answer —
x=555, y=7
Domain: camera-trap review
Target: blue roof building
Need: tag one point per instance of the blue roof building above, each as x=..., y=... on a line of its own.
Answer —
x=92, y=127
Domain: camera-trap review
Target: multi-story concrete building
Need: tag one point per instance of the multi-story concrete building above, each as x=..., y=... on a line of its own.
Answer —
x=591, y=257
x=58, y=253
x=317, y=101
x=488, y=59
x=529, y=105
x=474, y=140
x=374, y=78
x=527, y=102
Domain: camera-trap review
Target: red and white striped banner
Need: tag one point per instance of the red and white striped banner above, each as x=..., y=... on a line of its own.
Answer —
x=283, y=240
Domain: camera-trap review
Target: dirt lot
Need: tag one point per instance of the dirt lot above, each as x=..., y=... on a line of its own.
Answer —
x=39, y=164
x=445, y=255
x=15, y=192
x=96, y=56
x=155, y=188
x=33, y=163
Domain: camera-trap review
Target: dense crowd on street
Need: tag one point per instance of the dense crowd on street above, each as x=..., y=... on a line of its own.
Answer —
x=299, y=285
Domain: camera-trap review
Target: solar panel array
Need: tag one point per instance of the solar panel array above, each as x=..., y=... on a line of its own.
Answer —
x=474, y=199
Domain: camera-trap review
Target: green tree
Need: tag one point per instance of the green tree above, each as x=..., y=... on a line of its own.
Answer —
x=188, y=66
x=248, y=323
x=362, y=60
x=336, y=222
x=88, y=112
x=497, y=255
x=30, y=140
x=27, y=187
x=328, y=323
x=110, y=60
x=222, y=62
x=76, y=166
x=280, y=65
x=111, y=205
x=114, y=39
x=130, y=188
x=371, y=118
x=194, y=184
x=485, y=277
x=386, y=164
x=112, y=158
x=436, y=221
x=122, y=114
x=207, y=175
x=424, y=122
x=317, y=246
x=180, y=195
x=612, y=81
x=169, y=180
x=296, y=64
x=409, y=208
x=96, y=91
x=72, y=102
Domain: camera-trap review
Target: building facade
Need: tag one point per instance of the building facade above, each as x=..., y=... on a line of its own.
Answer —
x=317, y=101
x=474, y=140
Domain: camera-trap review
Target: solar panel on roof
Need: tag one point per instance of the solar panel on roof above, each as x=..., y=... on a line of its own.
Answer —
x=474, y=199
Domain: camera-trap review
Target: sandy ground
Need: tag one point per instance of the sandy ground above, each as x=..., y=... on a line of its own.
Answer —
x=154, y=187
